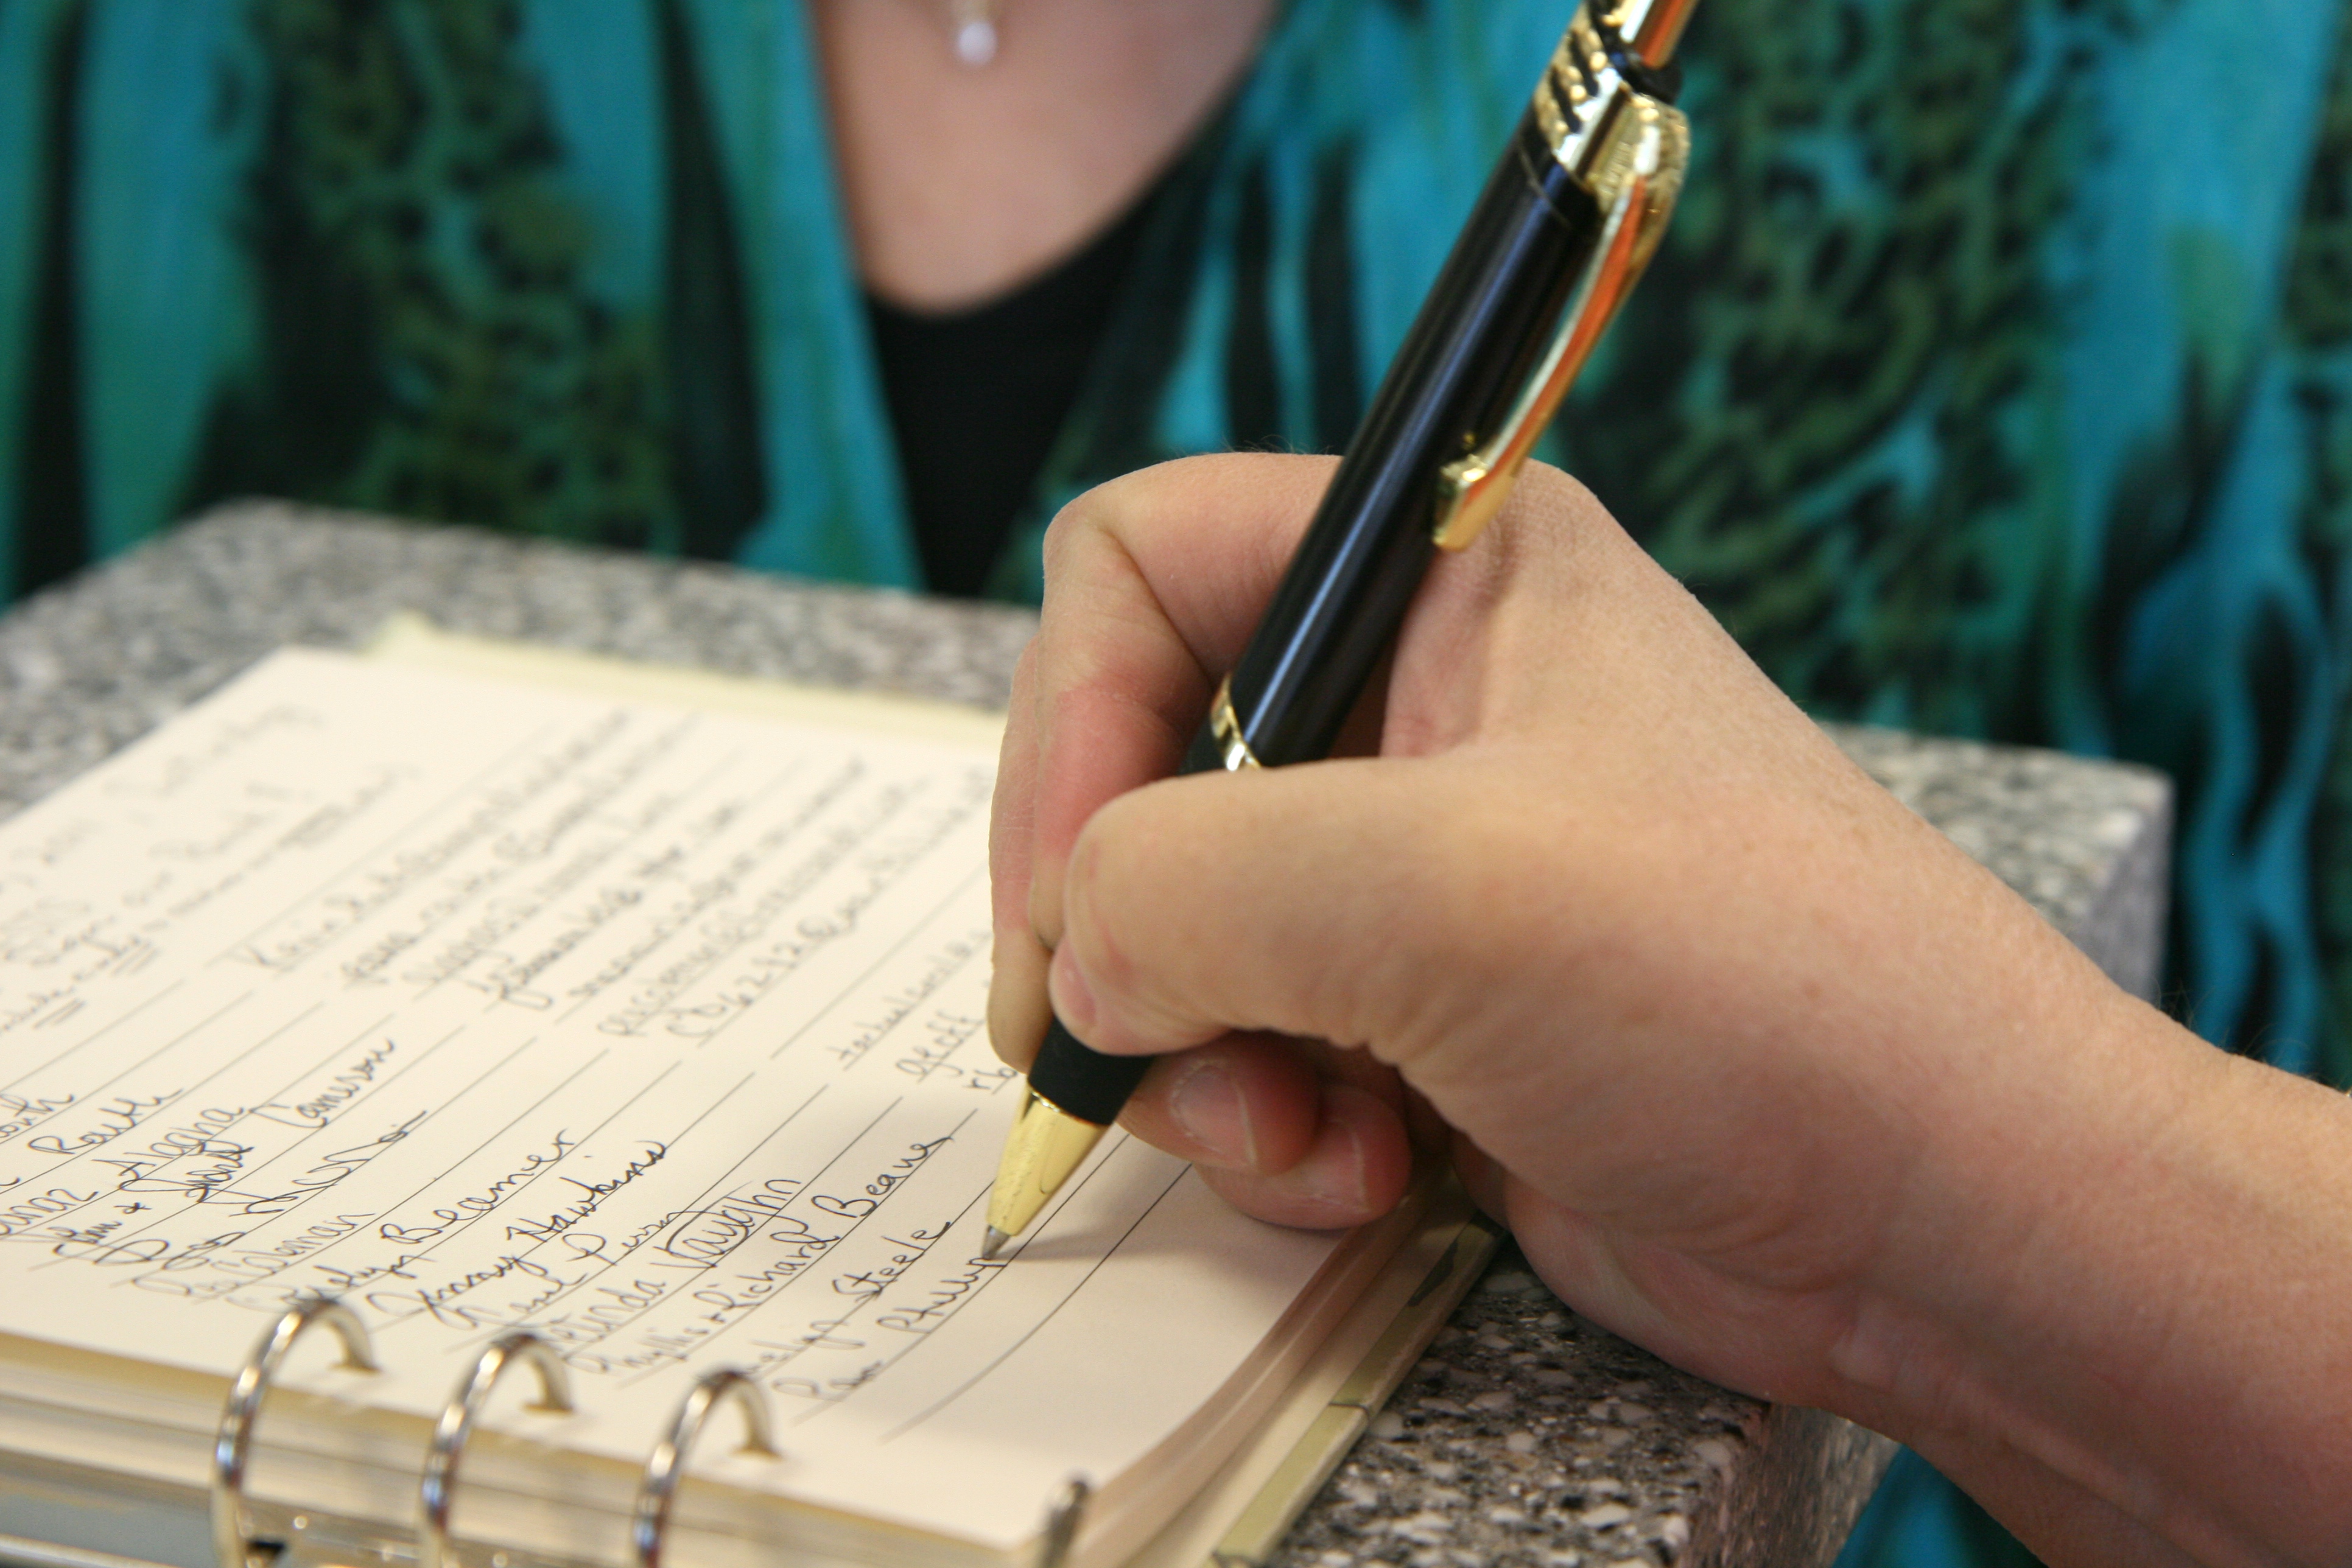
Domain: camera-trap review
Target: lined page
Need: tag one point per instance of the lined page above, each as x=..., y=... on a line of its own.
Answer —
x=487, y=1005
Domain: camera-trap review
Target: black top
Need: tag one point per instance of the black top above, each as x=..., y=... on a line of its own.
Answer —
x=976, y=398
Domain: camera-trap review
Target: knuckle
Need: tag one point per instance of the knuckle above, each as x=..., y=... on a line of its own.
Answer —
x=1046, y=908
x=1543, y=486
x=1094, y=909
x=1024, y=678
x=1074, y=528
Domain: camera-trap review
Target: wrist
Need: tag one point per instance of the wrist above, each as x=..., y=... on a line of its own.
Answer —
x=2122, y=1267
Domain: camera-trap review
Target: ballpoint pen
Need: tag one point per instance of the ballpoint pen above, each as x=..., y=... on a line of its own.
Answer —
x=1565, y=224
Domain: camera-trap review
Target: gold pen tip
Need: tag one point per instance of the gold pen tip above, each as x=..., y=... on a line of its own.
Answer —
x=992, y=1245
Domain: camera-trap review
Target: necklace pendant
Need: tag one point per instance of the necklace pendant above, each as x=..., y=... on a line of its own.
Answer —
x=975, y=32
x=975, y=43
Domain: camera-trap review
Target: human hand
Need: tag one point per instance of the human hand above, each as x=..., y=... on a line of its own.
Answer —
x=1763, y=1073
x=1622, y=915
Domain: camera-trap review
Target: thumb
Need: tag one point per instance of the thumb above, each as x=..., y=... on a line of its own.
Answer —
x=1258, y=901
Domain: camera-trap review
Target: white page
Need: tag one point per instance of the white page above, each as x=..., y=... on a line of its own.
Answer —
x=488, y=1006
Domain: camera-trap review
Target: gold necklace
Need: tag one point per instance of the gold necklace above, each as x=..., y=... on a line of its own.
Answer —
x=975, y=30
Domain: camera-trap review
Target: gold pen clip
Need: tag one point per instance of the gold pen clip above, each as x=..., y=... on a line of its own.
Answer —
x=1636, y=171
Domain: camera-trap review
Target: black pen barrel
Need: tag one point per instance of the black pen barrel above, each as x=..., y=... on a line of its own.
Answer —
x=1487, y=319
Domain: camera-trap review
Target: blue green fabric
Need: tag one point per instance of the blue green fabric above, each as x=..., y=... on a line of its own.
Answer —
x=1996, y=378
x=1918, y=1519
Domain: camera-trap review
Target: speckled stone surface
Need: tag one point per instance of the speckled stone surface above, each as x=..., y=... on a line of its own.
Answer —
x=1525, y=1436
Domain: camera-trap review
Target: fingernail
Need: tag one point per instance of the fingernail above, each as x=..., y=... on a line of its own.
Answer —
x=1335, y=1173
x=1074, y=1004
x=1208, y=1104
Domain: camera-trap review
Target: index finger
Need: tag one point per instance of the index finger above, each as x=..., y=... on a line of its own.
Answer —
x=1153, y=582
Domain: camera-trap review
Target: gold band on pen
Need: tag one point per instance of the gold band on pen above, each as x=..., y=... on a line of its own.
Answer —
x=1225, y=724
x=1650, y=29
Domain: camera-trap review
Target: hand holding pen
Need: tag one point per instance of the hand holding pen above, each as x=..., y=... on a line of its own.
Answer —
x=1570, y=215
x=1762, y=1072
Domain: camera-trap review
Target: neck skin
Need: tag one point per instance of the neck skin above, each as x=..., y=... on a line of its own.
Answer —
x=961, y=183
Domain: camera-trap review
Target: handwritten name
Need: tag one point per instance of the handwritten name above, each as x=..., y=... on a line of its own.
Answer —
x=116, y=1116
x=859, y=1205
x=705, y=1236
x=34, y=1214
x=348, y=1084
x=905, y=1002
x=592, y=1195
x=464, y=1211
x=21, y=1114
x=295, y=940
x=945, y=1296
x=868, y=1284
x=441, y=1301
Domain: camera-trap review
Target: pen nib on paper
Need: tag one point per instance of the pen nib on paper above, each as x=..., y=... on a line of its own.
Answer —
x=993, y=1244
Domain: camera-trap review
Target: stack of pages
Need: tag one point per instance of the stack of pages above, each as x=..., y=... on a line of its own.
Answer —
x=485, y=988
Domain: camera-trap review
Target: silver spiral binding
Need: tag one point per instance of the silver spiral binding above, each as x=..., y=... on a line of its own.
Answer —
x=234, y=1545
x=456, y=1424
x=1067, y=1512
x=658, y=1488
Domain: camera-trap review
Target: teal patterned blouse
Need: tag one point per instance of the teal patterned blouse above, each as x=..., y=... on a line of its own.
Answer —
x=1995, y=379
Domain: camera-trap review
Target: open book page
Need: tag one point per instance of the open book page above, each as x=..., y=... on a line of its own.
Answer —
x=487, y=1005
